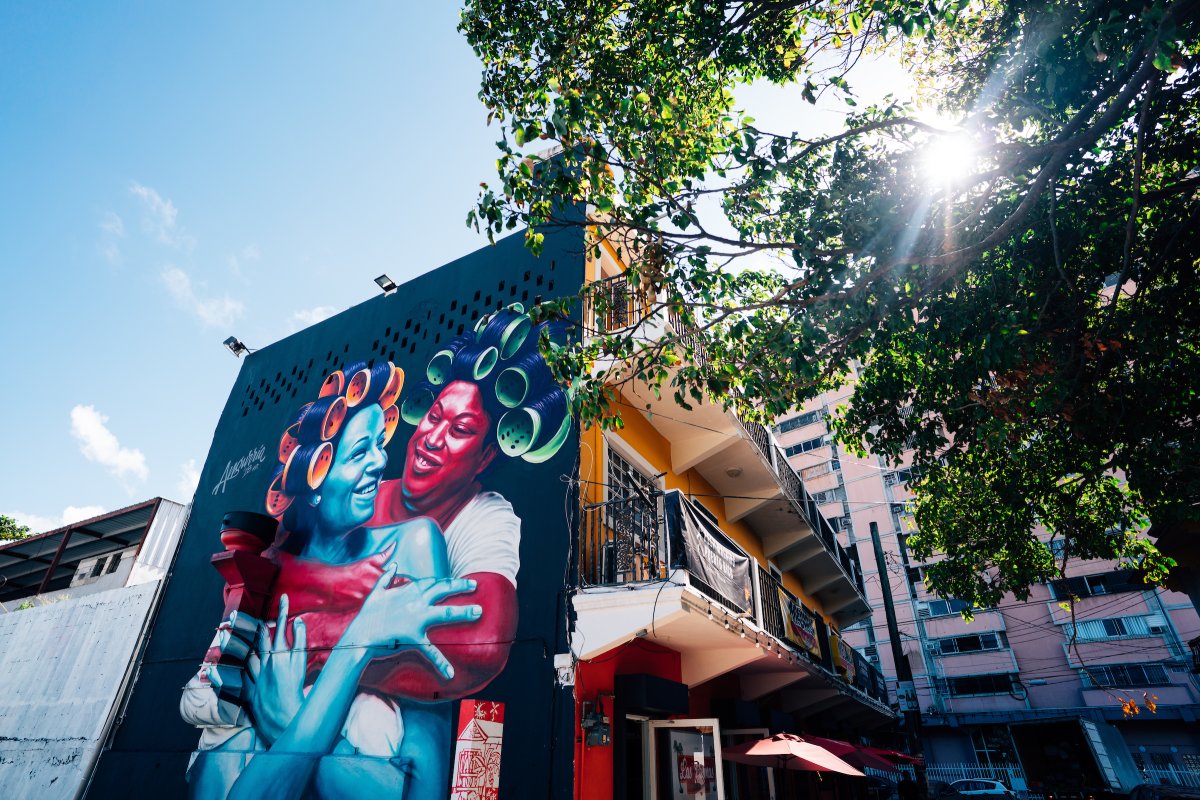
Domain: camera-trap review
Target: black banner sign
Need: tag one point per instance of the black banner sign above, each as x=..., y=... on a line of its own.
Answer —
x=708, y=553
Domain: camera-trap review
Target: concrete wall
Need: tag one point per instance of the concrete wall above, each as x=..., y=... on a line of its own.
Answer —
x=62, y=667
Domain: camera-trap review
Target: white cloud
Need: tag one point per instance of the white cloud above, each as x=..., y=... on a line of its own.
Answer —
x=311, y=316
x=189, y=478
x=247, y=255
x=40, y=524
x=97, y=443
x=112, y=231
x=160, y=217
x=214, y=311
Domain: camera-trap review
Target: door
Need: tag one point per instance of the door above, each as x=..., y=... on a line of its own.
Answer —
x=683, y=760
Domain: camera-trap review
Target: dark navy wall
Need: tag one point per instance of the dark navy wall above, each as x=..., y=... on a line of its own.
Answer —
x=151, y=746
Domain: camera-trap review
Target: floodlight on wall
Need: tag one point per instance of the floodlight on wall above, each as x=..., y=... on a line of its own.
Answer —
x=387, y=284
x=236, y=347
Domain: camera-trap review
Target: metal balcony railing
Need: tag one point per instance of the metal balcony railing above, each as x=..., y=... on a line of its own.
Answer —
x=771, y=618
x=808, y=509
x=613, y=304
x=867, y=679
x=623, y=541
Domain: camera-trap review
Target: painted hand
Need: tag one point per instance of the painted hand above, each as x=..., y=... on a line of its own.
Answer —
x=401, y=616
x=277, y=673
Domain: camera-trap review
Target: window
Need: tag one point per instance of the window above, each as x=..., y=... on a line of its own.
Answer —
x=916, y=575
x=1112, y=628
x=944, y=608
x=1121, y=580
x=998, y=683
x=1115, y=627
x=98, y=568
x=626, y=482
x=901, y=476
x=1124, y=675
x=830, y=495
x=633, y=548
x=113, y=563
x=996, y=640
x=800, y=421
x=993, y=746
x=806, y=446
x=1057, y=546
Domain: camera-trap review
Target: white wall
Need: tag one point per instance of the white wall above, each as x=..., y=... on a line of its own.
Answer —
x=62, y=667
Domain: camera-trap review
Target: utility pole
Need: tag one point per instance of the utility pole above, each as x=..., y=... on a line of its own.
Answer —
x=906, y=691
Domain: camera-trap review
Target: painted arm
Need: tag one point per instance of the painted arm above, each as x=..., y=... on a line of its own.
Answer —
x=390, y=617
x=478, y=651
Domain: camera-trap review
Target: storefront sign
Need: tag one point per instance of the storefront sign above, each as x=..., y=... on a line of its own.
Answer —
x=798, y=624
x=846, y=654
x=696, y=777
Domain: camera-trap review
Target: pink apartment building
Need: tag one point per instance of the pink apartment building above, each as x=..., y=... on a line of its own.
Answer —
x=1004, y=696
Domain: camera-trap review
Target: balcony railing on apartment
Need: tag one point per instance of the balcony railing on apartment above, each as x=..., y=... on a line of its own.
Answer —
x=613, y=304
x=802, y=501
x=626, y=541
x=867, y=676
x=623, y=541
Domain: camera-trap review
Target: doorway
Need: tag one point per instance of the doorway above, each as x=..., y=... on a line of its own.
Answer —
x=683, y=760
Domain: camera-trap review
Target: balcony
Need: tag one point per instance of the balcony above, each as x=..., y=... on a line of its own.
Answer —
x=740, y=460
x=642, y=566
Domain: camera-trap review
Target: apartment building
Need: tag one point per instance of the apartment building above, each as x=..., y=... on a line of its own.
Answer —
x=1028, y=692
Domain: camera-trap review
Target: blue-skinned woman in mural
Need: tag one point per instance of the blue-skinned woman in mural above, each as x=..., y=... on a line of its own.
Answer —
x=364, y=706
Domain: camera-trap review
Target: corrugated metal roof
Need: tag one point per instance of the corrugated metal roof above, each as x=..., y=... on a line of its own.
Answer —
x=25, y=563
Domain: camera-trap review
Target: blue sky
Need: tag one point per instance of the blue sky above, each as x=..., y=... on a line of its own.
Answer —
x=172, y=174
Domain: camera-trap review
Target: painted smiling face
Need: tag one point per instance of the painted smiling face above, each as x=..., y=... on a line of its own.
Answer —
x=348, y=492
x=449, y=448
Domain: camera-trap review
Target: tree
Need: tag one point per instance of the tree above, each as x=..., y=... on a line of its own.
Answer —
x=1030, y=324
x=10, y=529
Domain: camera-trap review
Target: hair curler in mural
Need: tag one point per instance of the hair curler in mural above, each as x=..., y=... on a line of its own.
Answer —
x=358, y=607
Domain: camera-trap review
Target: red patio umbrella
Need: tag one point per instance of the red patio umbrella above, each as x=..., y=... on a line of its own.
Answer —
x=788, y=751
x=895, y=756
x=854, y=754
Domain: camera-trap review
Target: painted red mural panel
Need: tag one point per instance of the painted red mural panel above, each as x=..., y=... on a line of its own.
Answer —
x=477, y=750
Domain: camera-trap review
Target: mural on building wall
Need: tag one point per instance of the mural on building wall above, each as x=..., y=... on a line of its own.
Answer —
x=358, y=610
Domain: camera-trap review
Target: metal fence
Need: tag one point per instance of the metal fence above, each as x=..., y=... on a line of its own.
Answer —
x=1011, y=775
x=1173, y=776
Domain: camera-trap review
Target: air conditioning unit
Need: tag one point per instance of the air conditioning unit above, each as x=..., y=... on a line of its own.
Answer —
x=923, y=610
x=933, y=649
x=871, y=652
x=897, y=508
x=890, y=479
